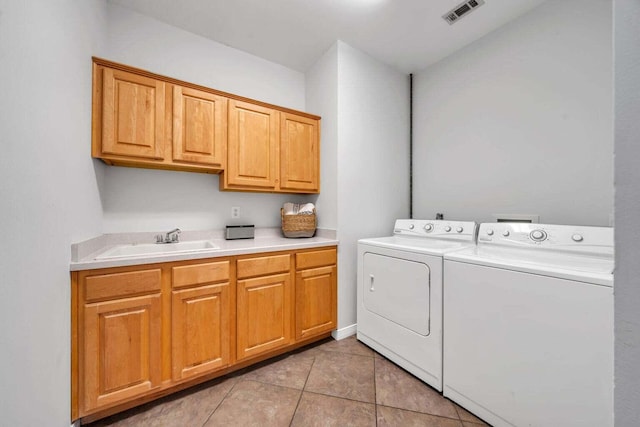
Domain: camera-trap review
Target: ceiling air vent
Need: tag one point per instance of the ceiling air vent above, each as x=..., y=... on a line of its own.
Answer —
x=461, y=10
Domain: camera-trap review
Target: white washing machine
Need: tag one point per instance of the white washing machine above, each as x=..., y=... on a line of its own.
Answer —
x=400, y=292
x=528, y=325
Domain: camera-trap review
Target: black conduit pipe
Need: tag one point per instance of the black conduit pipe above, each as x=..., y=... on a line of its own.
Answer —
x=410, y=146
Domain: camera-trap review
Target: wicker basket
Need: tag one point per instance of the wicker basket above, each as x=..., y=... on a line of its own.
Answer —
x=298, y=225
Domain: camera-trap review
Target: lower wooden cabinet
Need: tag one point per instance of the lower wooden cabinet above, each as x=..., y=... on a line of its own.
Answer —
x=264, y=314
x=120, y=343
x=315, y=301
x=122, y=349
x=140, y=332
x=200, y=330
x=316, y=292
x=201, y=318
x=264, y=310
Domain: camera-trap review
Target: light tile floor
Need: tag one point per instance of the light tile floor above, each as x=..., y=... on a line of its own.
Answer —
x=333, y=383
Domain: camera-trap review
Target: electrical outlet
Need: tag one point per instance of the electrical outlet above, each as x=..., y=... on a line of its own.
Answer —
x=235, y=212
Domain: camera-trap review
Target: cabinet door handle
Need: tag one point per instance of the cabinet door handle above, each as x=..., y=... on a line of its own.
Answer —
x=371, y=289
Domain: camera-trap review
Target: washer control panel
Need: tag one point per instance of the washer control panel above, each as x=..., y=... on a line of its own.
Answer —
x=538, y=235
x=439, y=229
x=548, y=236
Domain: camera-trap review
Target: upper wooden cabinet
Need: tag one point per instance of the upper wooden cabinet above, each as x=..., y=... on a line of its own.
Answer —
x=142, y=119
x=299, y=153
x=271, y=150
x=132, y=115
x=199, y=127
x=252, y=147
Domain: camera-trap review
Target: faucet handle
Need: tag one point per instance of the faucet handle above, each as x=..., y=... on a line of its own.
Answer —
x=159, y=238
x=174, y=237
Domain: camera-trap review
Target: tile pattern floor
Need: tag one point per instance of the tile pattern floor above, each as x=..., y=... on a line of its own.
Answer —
x=333, y=383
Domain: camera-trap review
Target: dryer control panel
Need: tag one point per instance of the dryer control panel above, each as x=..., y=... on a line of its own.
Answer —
x=598, y=240
x=436, y=229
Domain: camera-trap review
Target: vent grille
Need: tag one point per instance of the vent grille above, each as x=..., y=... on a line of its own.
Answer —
x=461, y=10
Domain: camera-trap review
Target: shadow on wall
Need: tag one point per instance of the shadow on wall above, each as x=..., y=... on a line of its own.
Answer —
x=135, y=199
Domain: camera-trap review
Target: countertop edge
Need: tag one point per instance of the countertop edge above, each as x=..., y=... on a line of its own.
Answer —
x=270, y=246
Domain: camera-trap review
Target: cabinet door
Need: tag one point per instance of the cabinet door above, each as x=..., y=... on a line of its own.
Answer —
x=199, y=127
x=264, y=314
x=299, y=153
x=252, y=146
x=133, y=122
x=200, y=330
x=315, y=301
x=121, y=356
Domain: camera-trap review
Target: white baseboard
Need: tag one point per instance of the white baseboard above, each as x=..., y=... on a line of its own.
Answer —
x=345, y=332
x=76, y=423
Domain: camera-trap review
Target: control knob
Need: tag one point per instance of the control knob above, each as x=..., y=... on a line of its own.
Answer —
x=506, y=233
x=447, y=229
x=459, y=229
x=489, y=232
x=411, y=226
x=428, y=228
x=577, y=238
x=538, y=235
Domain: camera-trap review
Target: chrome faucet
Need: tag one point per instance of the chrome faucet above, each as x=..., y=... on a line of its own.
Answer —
x=170, y=237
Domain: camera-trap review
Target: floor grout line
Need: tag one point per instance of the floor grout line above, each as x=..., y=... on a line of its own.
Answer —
x=346, y=352
x=272, y=384
x=423, y=413
x=339, y=397
x=375, y=391
x=302, y=391
x=220, y=403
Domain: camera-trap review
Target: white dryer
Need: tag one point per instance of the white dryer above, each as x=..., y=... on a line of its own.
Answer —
x=528, y=325
x=399, y=292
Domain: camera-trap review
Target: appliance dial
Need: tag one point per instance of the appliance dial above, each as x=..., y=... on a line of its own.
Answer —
x=577, y=238
x=538, y=235
x=411, y=226
x=447, y=229
x=428, y=228
x=459, y=229
x=489, y=232
x=505, y=233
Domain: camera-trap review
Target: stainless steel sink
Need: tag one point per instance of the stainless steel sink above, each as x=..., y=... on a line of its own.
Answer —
x=131, y=250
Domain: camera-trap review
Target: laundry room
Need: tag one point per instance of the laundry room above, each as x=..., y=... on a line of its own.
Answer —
x=446, y=134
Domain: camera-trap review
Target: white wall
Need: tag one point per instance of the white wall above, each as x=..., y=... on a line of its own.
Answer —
x=365, y=141
x=149, y=200
x=627, y=189
x=322, y=97
x=373, y=160
x=49, y=196
x=520, y=121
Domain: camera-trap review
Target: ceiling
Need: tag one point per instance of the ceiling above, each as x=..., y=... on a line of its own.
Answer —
x=409, y=35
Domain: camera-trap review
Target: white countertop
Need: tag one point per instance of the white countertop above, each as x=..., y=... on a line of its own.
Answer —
x=83, y=254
